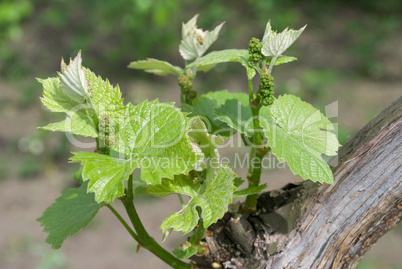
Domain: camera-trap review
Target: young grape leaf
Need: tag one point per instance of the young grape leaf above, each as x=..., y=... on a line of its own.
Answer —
x=79, y=117
x=75, y=125
x=106, y=174
x=250, y=72
x=238, y=181
x=212, y=197
x=73, y=80
x=105, y=99
x=298, y=134
x=184, y=250
x=195, y=42
x=156, y=67
x=224, y=56
x=189, y=26
x=206, y=142
x=83, y=96
x=274, y=44
x=237, y=114
x=205, y=105
x=71, y=212
x=281, y=59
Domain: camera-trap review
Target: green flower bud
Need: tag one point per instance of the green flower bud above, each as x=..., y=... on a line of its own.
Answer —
x=265, y=93
x=254, y=49
x=106, y=132
x=185, y=83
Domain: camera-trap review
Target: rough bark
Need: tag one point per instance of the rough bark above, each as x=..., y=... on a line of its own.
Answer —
x=321, y=226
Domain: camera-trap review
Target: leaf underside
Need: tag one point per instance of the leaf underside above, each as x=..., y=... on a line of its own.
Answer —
x=156, y=67
x=237, y=114
x=224, y=56
x=190, y=47
x=207, y=105
x=299, y=134
x=274, y=44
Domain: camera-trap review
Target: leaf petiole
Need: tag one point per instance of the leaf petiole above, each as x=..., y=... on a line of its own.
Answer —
x=271, y=64
x=181, y=200
x=128, y=228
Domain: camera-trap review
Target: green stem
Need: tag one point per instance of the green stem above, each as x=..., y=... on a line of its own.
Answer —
x=199, y=233
x=250, y=163
x=128, y=228
x=181, y=97
x=250, y=90
x=256, y=155
x=144, y=239
x=180, y=199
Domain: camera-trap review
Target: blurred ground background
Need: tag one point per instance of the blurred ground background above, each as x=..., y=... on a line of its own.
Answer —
x=350, y=53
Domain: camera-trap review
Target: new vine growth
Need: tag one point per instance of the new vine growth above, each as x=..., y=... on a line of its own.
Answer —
x=177, y=147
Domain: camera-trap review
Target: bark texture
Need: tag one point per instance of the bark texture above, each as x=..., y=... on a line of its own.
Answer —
x=321, y=226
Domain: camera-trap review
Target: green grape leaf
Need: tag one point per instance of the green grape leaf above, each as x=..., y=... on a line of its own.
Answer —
x=299, y=134
x=250, y=72
x=274, y=44
x=140, y=187
x=181, y=184
x=281, y=59
x=156, y=67
x=75, y=125
x=249, y=191
x=195, y=42
x=238, y=181
x=78, y=176
x=205, y=106
x=154, y=137
x=71, y=212
x=105, y=99
x=237, y=114
x=205, y=68
x=106, y=174
x=212, y=197
x=224, y=56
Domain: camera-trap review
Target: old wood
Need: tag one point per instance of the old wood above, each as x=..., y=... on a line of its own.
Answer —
x=327, y=226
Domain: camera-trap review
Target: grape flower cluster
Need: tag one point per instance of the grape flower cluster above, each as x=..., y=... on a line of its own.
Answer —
x=265, y=93
x=254, y=49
